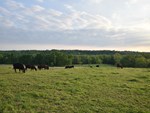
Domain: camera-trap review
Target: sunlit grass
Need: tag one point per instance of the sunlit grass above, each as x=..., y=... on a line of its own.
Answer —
x=81, y=90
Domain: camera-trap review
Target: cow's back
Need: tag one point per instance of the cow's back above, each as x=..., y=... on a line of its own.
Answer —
x=18, y=66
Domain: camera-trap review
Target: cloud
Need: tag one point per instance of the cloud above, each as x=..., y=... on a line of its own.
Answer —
x=6, y=22
x=94, y=1
x=37, y=8
x=4, y=11
x=14, y=5
x=94, y=38
x=130, y=2
x=83, y=20
x=40, y=1
x=37, y=17
x=54, y=12
x=69, y=25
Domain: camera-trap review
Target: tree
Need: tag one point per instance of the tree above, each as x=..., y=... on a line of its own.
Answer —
x=38, y=59
x=148, y=63
x=76, y=59
x=128, y=61
x=25, y=59
x=108, y=59
x=141, y=62
x=1, y=59
x=62, y=59
x=117, y=58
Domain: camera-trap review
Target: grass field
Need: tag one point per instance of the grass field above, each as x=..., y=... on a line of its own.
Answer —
x=80, y=90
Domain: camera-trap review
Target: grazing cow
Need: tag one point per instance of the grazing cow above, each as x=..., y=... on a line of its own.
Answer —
x=69, y=67
x=46, y=67
x=19, y=66
x=97, y=65
x=32, y=67
x=43, y=67
x=39, y=67
x=27, y=66
x=119, y=65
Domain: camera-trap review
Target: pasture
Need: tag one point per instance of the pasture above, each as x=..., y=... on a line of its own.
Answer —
x=103, y=89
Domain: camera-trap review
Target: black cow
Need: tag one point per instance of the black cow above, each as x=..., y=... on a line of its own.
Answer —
x=43, y=67
x=97, y=65
x=119, y=65
x=19, y=66
x=27, y=66
x=69, y=67
x=32, y=67
x=46, y=67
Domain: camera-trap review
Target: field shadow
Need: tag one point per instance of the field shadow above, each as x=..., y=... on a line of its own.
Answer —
x=133, y=80
x=143, y=77
x=148, y=71
x=115, y=73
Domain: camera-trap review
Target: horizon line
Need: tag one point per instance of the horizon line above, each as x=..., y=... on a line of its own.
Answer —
x=74, y=50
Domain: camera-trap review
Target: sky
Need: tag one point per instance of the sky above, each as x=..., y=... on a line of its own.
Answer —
x=75, y=24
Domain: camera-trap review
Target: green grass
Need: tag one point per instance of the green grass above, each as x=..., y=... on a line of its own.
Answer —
x=80, y=90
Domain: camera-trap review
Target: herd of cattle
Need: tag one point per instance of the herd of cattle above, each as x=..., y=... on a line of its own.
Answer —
x=23, y=68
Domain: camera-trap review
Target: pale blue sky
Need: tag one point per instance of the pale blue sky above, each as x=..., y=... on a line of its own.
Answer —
x=76, y=24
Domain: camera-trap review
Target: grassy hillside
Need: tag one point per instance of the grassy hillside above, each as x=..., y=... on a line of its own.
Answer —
x=80, y=90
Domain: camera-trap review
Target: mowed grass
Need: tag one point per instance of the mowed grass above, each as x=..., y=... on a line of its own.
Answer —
x=104, y=89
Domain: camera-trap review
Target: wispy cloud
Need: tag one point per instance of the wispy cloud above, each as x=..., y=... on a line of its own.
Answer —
x=14, y=5
x=44, y=19
x=37, y=8
x=70, y=25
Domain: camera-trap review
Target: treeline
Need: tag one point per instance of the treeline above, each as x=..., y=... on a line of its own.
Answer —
x=69, y=57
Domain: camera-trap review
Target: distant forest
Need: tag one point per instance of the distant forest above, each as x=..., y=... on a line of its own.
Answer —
x=69, y=57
